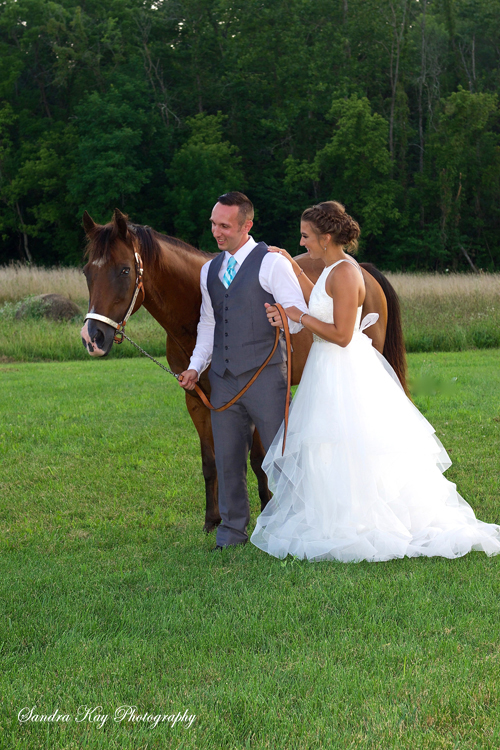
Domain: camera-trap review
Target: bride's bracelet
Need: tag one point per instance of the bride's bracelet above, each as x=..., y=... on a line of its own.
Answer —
x=300, y=274
x=300, y=319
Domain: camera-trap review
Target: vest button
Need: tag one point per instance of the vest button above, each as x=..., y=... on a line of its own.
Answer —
x=226, y=308
x=226, y=347
x=226, y=295
x=226, y=360
x=226, y=334
x=225, y=321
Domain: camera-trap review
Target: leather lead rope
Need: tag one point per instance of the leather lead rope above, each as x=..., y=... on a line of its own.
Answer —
x=254, y=377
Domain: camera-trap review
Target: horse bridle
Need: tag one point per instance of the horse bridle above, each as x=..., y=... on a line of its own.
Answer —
x=139, y=287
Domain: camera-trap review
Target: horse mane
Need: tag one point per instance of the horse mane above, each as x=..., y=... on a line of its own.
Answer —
x=102, y=239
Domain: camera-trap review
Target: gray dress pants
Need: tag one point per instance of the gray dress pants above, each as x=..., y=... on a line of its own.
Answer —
x=261, y=407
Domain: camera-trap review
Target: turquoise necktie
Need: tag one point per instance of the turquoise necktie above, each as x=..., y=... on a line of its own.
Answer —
x=230, y=272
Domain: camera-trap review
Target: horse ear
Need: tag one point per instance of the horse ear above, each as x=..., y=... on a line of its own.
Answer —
x=120, y=223
x=88, y=223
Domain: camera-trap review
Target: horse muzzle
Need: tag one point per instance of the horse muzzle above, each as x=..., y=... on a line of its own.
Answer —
x=97, y=337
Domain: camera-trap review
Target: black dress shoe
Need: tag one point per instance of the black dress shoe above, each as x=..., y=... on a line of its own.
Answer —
x=220, y=546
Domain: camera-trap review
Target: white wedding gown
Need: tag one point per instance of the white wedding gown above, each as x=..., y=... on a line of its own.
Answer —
x=362, y=474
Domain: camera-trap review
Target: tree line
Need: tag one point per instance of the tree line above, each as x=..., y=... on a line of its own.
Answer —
x=157, y=107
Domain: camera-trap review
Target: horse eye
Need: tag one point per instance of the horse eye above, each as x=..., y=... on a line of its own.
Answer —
x=125, y=271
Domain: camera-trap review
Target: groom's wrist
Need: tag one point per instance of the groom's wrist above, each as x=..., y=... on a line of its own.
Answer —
x=197, y=366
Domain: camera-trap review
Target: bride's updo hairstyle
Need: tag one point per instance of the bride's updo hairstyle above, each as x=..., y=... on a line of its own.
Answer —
x=330, y=217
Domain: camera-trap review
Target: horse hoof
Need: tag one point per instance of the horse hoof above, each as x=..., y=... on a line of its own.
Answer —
x=210, y=526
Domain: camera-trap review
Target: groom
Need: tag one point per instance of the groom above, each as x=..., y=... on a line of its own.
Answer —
x=235, y=337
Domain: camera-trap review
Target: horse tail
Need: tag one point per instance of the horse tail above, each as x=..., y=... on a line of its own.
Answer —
x=394, y=345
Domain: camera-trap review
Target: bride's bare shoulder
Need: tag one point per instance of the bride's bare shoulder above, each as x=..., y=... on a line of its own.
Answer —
x=343, y=277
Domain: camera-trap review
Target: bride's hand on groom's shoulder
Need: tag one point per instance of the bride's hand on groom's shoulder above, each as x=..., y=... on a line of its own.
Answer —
x=281, y=251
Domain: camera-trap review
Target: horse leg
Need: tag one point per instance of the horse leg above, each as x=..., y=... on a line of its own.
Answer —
x=257, y=454
x=201, y=420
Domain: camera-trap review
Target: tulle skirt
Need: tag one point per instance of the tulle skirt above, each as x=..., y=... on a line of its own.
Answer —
x=362, y=474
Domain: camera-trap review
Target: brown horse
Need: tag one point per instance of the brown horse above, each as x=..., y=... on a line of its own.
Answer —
x=170, y=290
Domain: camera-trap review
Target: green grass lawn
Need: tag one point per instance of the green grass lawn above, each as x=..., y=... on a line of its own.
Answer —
x=110, y=596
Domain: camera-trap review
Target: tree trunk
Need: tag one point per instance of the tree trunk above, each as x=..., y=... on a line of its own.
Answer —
x=423, y=71
x=468, y=259
x=24, y=235
x=397, y=41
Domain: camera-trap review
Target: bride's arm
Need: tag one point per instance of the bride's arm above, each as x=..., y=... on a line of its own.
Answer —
x=344, y=288
x=305, y=282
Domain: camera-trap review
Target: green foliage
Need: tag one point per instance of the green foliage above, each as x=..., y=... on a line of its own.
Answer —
x=7, y=121
x=466, y=154
x=355, y=166
x=203, y=168
x=113, y=129
x=159, y=108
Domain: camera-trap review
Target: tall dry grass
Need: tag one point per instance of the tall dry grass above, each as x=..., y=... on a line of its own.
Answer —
x=449, y=312
x=18, y=281
x=410, y=286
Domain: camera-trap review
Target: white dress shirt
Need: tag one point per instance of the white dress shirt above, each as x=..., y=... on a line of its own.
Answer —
x=276, y=276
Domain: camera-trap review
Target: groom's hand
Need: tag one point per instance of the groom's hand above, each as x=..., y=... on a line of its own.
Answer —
x=187, y=379
x=273, y=315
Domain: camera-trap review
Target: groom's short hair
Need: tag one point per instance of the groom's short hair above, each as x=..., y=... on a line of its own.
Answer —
x=245, y=205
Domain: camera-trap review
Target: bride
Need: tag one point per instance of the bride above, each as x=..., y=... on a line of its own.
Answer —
x=362, y=473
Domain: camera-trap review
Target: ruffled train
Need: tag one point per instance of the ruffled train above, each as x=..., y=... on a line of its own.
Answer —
x=362, y=475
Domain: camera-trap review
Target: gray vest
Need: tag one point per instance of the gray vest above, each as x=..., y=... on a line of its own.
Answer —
x=243, y=337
